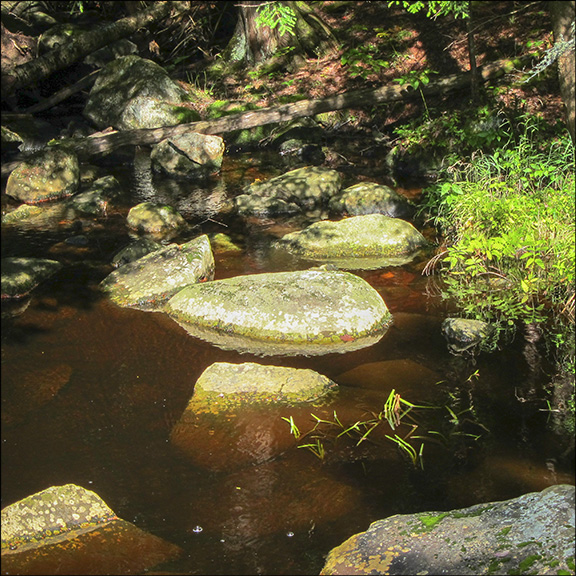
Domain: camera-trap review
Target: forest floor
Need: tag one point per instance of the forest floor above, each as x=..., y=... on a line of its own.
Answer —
x=382, y=44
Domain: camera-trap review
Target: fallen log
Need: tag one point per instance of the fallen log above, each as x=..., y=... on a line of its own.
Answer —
x=101, y=145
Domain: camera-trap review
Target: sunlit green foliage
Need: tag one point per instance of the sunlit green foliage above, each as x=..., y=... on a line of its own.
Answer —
x=508, y=219
x=435, y=8
x=276, y=15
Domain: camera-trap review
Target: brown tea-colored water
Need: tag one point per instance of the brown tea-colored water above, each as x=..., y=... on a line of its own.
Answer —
x=92, y=393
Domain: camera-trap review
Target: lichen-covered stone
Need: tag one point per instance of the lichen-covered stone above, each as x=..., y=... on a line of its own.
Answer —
x=304, y=312
x=51, y=512
x=62, y=529
x=21, y=275
x=531, y=534
x=23, y=212
x=46, y=175
x=357, y=242
x=150, y=281
x=134, y=251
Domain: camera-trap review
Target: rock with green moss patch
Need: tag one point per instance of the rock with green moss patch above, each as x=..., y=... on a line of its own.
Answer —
x=464, y=335
x=304, y=312
x=531, y=534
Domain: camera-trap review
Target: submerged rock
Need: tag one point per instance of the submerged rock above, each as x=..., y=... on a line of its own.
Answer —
x=63, y=528
x=150, y=281
x=531, y=534
x=95, y=199
x=22, y=275
x=304, y=312
x=369, y=241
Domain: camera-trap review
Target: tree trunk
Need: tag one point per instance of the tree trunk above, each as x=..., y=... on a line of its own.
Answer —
x=252, y=44
x=562, y=14
x=101, y=145
x=62, y=57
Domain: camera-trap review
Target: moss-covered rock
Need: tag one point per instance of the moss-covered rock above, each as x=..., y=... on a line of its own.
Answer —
x=49, y=174
x=155, y=219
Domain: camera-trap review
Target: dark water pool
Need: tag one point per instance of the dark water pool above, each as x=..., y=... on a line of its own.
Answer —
x=91, y=393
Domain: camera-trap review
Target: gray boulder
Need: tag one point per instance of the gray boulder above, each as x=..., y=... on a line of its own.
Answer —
x=21, y=275
x=305, y=312
x=54, y=531
x=150, y=281
x=370, y=241
x=304, y=188
x=531, y=534
x=371, y=198
x=134, y=251
x=191, y=155
x=132, y=92
x=49, y=174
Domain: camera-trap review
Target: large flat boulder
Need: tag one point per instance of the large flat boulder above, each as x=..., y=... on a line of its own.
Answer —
x=359, y=242
x=305, y=312
x=531, y=534
x=148, y=282
x=21, y=275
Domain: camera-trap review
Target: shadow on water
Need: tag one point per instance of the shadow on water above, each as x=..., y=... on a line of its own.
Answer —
x=92, y=394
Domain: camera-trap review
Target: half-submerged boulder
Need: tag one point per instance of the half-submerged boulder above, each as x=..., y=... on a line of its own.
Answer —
x=360, y=242
x=239, y=407
x=464, y=335
x=63, y=529
x=306, y=312
x=297, y=190
x=223, y=386
x=531, y=534
x=21, y=275
x=150, y=281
